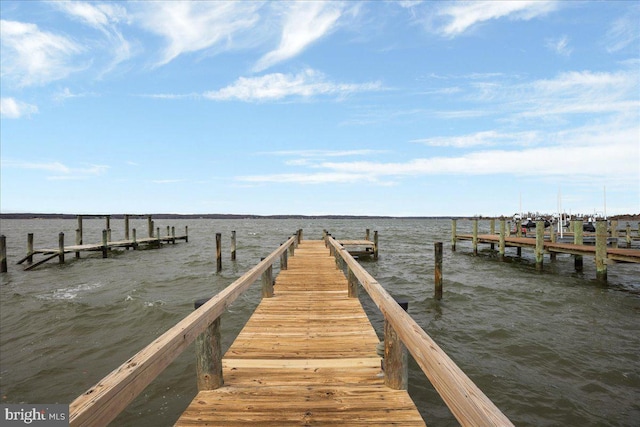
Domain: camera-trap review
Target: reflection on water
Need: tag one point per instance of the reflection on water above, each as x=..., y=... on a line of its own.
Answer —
x=554, y=347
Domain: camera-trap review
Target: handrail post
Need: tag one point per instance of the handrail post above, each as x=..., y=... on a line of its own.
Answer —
x=396, y=365
x=353, y=283
x=209, y=355
x=267, y=282
x=284, y=261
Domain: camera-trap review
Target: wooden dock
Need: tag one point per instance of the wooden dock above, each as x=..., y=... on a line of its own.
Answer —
x=307, y=356
x=105, y=246
x=543, y=244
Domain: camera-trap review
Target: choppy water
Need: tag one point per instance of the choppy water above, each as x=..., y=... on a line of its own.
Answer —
x=549, y=348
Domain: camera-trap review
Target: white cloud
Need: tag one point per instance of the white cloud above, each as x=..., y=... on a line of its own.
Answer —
x=195, y=26
x=559, y=46
x=12, y=109
x=623, y=32
x=34, y=57
x=103, y=17
x=306, y=84
x=304, y=23
x=484, y=138
x=461, y=16
x=62, y=171
x=310, y=178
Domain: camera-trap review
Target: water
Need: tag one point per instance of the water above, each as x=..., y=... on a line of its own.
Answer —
x=548, y=348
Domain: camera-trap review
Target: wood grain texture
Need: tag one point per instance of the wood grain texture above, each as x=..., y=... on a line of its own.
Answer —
x=307, y=356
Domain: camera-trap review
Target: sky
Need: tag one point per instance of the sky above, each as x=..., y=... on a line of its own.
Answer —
x=394, y=108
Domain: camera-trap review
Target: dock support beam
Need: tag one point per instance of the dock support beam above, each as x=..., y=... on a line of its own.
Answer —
x=353, y=283
x=209, y=355
x=601, y=250
x=437, y=272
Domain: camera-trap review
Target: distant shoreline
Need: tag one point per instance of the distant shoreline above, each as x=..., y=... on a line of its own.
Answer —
x=626, y=217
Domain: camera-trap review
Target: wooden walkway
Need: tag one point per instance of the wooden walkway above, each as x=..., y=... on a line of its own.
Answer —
x=613, y=254
x=307, y=356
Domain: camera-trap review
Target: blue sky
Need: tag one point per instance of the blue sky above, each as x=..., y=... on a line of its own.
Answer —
x=404, y=108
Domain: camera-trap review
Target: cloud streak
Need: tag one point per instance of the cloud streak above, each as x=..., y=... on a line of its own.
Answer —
x=31, y=56
x=304, y=23
x=14, y=109
x=277, y=86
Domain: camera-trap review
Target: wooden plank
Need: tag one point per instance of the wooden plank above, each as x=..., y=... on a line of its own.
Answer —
x=103, y=402
x=306, y=356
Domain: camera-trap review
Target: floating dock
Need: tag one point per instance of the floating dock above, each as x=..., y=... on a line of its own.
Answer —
x=307, y=356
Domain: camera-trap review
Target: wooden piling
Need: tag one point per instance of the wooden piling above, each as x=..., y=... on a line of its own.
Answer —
x=601, y=250
x=628, y=236
x=502, y=245
x=233, y=246
x=135, y=242
x=375, y=244
x=492, y=230
x=218, y=252
x=366, y=234
x=158, y=237
x=78, y=240
x=475, y=236
x=3, y=254
x=61, y=248
x=554, y=239
x=186, y=234
x=539, y=244
x=80, y=228
x=30, y=247
x=173, y=235
x=209, y=355
x=453, y=234
x=150, y=225
x=437, y=272
x=126, y=227
x=105, y=248
x=614, y=233
x=578, y=240
x=519, y=234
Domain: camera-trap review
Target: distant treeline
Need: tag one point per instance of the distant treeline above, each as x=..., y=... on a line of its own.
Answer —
x=625, y=217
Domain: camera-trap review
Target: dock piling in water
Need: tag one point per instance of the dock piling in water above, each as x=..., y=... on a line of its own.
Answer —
x=3, y=254
x=438, y=270
x=218, y=252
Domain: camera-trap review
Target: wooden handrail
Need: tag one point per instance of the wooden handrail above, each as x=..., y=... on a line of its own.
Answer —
x=104, y=401
x=467, y=402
